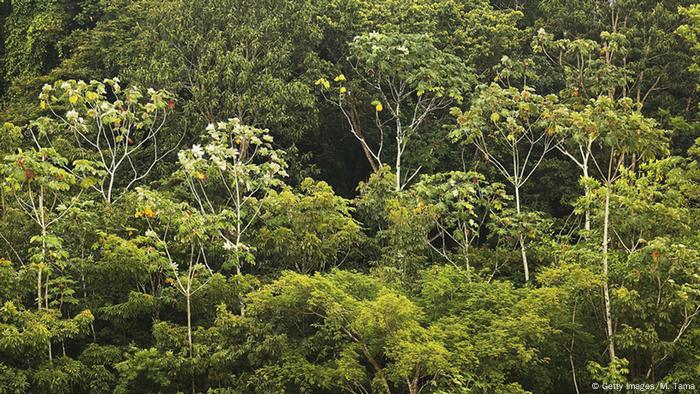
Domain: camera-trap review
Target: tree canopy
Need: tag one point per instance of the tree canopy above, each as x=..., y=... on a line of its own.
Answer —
x=386, y=196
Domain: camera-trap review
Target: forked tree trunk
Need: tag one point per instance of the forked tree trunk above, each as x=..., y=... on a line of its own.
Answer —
x=355, y=120
x=377, y=369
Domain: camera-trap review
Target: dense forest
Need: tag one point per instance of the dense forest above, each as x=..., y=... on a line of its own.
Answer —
x=361, y=196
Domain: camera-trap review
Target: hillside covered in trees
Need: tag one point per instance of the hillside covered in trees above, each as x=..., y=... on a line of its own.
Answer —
x=356, y=196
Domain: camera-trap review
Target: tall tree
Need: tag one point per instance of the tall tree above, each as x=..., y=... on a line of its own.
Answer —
x=408, y=80
x=229, y=177
x=43, y=185
x=122, y=132
x=513, y=130
x=624, y=132
x=180, y=234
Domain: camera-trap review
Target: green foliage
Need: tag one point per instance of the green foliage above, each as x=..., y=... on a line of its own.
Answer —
x=691, y=33
x=413, y=59
x=161, y=240
x=317, y=222
x=244, y=59
x=461, y=205
x=241, y=165
x=114, y=131
x=354, y=309
x=34, y=34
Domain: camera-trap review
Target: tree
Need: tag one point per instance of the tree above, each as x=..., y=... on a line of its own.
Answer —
x=624, y=132
x=690, y=32
x=460, y=205
x=35, y=34
x=121, y=129
x=514, y=123
x=620, y=49
x=578, y=285
x=229, y=177
x=655, y=230
x=380, y=339
x=493, y=332
x=26, y=332
x=238, y=58
x=409, y=75
x=577, y=134
x=180, y=233
x=316, y=221
x=41, y=182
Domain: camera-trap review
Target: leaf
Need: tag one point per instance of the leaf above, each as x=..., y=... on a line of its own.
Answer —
x=87, y=183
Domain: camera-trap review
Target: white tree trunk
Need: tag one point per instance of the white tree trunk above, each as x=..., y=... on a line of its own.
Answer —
x=521, y=239
x=188, y=297
x=466, y=244
x=399, y=146
x=587, y=224
x=606, y=292
x=43, y=247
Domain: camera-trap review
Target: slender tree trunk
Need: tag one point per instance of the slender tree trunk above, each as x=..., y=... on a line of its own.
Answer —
x=521, y=239
x=188, y=297
x=46, y=290
x=606, y=291
x=399, y=143
x=43, y=248
x=109, y=188
x=571, y=349
x=587, y=191
x=524, y=256
x=239, y=219
x=50, y=352
x=38, y=288
x=466, y=244
x=398, y=168
x=239, y=237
